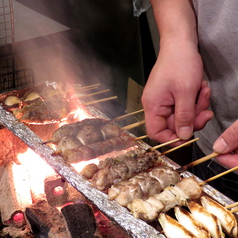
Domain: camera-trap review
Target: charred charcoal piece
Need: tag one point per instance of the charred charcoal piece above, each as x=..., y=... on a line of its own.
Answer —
x=56, y=191
x=80, y=220
x=45, y=221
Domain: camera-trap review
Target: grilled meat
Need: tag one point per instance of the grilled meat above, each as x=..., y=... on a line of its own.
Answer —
x=78, y=129
x=96, y=149
x=115, y=170
x=43, y=112
x=143, y=185
x=178, y=194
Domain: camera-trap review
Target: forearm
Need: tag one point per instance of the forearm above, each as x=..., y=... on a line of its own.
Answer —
x=176, y=21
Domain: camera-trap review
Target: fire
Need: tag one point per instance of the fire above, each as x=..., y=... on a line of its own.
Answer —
x=37, y=170
x=79, y=166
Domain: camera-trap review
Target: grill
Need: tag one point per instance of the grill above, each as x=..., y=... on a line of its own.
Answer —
x=112, y=219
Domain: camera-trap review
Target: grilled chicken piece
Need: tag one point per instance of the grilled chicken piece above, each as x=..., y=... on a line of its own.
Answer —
x=171, y=196
x=226, y=218
x=145, y=183
x=123, y=168
x=96, y=149
x=186, y=219
x=73, y=129
x=68, y=142
x=172, y=228
x=208, y=220
x=43, y=112
x=89, y=134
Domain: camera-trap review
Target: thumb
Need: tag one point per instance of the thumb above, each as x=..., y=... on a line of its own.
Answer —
x=228, y=141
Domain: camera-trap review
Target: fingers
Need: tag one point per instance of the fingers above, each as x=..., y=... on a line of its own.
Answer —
x=228, y=160
x=228, y=141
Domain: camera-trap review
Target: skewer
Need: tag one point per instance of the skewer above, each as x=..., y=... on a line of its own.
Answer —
x=141, y=137
x=196, y=162
x=100, y=100
x=89, y=86
x=92, y=94
x=131, y=126
x=234, y=210
x=218, y=176
x=180, y=146
x=128, y=114
x=166, y=143
x=232, y=205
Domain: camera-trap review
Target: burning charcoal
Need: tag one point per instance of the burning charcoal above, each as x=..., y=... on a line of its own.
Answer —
x=45, y=221
x=56, y=191
x=80, y=220
x=14, y=194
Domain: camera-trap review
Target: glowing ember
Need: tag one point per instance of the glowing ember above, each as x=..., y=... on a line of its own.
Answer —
x=57, y=191
x=18, y=217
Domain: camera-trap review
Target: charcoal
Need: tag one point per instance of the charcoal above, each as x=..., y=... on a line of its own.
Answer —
x=51, y=183
x=80, y=220
x=44, y=220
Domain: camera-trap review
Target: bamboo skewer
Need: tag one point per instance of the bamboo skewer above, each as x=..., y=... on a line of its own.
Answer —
x=141, y=137
x=197, y=162
x=93, y=94
x=164, y=144
x=234, y=210
x=89, y=86
x=180, y=146
x=128, y=114
x=131, y=126
x=218, y=176
x=232, y=205
x=100, y=100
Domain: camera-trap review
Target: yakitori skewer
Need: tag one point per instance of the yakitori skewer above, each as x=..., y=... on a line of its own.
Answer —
x=141, y=137
x=87, y=87
x=100, y=100
x=180, y=146
x=218, y=176
x=133, y=125
x=197, y=162
x=92, y=94
x=164, y=144
x=235, y=204
x=128, y=114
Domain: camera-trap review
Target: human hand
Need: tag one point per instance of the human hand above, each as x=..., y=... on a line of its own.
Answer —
x=175, y=98
x=227, y=146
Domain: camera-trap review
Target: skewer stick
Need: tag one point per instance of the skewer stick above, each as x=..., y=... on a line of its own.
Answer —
x=232, y=205
x=141, y=137
x=218, y=176
x=180, y=146
x=89, y=86
x=100, y=100
x=131, y=126
x=164, y=144
x=128, y=114
x=196, y=162
x=93, y=94
x=234, y=210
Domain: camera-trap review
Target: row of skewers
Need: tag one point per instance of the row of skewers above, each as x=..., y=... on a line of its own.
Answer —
x=139, y=181
x=148, y=195
x=55, y=103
